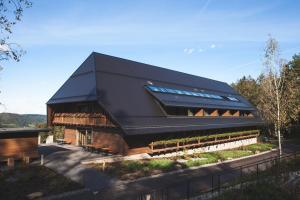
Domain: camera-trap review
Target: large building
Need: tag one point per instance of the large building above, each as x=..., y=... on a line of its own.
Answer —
x=127, y=106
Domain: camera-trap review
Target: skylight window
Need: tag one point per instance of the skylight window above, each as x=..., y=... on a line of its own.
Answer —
x=187, y=93
x=232, y=99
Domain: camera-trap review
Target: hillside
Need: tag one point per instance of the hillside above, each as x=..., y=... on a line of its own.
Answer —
x=12, y=120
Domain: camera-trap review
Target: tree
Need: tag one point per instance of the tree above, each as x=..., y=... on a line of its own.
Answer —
x=279, y=92
x=10, y=13
x=248, y=88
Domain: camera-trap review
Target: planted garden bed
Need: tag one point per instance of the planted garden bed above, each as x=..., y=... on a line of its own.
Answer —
x=127, y=170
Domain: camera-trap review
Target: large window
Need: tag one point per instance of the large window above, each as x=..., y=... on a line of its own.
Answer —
x=189, y=93
x=205, y=112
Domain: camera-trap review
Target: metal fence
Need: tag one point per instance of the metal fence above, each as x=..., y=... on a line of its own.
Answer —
x=212, y=185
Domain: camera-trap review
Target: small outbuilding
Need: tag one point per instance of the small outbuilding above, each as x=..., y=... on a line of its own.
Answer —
x=18, y=143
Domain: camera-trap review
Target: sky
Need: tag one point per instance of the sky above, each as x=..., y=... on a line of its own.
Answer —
x=217, y=39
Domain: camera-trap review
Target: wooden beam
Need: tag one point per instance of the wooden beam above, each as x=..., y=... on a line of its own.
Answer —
x=215, y=113
x=227, y=113
x=200, y=113
x=236, y=113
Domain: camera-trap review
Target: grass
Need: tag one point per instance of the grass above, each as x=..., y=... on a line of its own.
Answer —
x=135, y=169
x=17, y=183
x=259, y=147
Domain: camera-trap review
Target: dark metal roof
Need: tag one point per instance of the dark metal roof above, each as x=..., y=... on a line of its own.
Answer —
x=119, y=87
x=23, y=130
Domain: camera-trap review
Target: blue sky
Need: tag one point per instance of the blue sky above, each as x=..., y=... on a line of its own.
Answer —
x=222, y=40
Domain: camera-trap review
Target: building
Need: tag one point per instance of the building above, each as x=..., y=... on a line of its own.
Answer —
x=127, y=106
x=17, y=143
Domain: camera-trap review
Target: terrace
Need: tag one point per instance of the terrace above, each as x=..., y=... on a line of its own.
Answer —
x=82, y=119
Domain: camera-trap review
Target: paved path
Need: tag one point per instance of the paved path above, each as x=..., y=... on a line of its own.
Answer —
x=66, y=160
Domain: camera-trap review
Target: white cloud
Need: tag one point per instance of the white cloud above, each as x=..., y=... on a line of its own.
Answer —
x=200, y=50
x=212, y=46
x=4, y=47
x=189, y=50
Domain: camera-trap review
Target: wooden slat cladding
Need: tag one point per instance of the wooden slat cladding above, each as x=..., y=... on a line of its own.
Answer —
x=88, y=119
x=18, y=147
x=111, y=140
x=70, y=135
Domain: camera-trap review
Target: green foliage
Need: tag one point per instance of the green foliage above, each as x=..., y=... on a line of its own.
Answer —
x=162, y=164
x=249, y=88
x=136, y=169
x=259, y=147
x=229, y=154
x=203, y=158
x=58, y=132
x=11, y=120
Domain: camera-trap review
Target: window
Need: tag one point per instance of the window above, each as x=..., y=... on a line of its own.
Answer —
x=183, y=92
x=232, y=99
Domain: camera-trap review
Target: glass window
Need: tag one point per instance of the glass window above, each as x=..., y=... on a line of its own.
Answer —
x=232, y=99
x=189, y=93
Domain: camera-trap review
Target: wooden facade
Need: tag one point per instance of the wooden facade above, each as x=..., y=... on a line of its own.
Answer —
x=19, y=143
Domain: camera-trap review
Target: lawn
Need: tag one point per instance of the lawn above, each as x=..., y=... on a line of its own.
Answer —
x=19, y=182
x=127, y=170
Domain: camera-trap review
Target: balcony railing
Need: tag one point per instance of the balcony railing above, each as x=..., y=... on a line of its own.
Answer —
x=84, y=119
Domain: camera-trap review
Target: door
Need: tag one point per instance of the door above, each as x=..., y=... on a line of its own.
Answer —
x=85, y=137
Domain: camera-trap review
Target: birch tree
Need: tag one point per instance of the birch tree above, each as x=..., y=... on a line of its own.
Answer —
x=279, y=92
x=10, y=13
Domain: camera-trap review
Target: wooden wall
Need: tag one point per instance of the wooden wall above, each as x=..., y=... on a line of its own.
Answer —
x=18, y=147
x=110, y=139
x=70, y=135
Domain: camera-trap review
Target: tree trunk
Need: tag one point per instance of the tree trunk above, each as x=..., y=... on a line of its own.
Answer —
x=278, y=122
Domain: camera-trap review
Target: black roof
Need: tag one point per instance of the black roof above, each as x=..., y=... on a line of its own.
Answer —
x=118, y=85
x=23, y=130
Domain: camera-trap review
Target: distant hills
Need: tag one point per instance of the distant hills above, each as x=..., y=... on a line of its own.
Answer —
x=13, y=120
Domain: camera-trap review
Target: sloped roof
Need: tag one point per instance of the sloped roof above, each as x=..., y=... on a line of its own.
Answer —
x=119, y=87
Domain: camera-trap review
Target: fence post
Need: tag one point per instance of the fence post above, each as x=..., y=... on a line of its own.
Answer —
x=257, y=170
x=241, y=176
x=219, y=183
x=42, y=159
x=212, y=183
x=188, y=190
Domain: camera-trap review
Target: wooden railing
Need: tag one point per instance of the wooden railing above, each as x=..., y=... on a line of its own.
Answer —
x=89, y=119
x=181, y=144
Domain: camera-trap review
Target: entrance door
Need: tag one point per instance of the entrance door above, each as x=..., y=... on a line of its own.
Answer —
x=85, y=137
